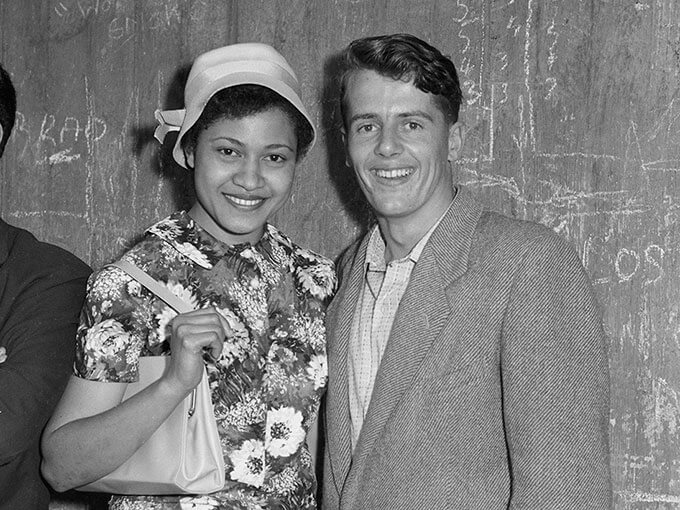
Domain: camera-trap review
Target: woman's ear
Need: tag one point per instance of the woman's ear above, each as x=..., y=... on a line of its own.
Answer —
x=189, y=157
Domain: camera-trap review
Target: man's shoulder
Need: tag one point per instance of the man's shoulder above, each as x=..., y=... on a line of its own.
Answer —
x=26, y=254
x=497, y=231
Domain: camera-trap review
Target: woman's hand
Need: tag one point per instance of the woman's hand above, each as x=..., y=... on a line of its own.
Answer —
x=193, y=334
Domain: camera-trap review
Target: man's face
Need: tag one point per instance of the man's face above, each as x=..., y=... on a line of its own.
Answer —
x=400, y=145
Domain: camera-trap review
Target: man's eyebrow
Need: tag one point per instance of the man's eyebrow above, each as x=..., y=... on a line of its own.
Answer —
x=403, y=115
x=417, y=113
x=362, y=116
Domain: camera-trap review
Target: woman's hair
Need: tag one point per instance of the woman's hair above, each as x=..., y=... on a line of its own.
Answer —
x=405, y=57
x=242, y=101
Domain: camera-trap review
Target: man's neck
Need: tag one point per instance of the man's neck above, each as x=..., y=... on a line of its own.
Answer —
x=401, y=234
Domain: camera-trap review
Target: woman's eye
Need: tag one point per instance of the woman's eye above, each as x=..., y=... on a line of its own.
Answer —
x=227, y=151
x=276, y=158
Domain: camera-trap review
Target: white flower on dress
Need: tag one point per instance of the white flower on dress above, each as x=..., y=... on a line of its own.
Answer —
x=284, y=431
x=106, y=306
x=166, y=229
x=236, y=345
x=106, y=338
x=318, y=280
x=164, y=318
x=248, y=462
x=198, y=503
x=134, y=288
x=195, y=254
x=185, y=294
x=3, y=354
x=318, y=370
x=310, y=330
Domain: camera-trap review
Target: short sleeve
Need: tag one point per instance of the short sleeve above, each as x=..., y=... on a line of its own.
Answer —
x=114, y=327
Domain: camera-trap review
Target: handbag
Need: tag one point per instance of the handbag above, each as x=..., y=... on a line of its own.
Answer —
x=184, y=455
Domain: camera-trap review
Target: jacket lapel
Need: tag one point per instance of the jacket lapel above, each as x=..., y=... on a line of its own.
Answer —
x=422, y=313
x=339, y=319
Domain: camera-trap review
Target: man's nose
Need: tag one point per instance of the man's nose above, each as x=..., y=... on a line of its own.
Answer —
x=389, y=143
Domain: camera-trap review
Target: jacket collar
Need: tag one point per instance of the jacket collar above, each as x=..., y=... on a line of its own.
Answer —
x=422, y=314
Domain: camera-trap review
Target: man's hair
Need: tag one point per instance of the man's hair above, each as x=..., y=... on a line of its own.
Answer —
x=405, y=57
x=242, y=101
x=8, y=107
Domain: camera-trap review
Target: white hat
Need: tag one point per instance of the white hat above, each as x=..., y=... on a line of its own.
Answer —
x=221, y=68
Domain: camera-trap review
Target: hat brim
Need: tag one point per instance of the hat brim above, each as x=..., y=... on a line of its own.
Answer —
x=193, y=111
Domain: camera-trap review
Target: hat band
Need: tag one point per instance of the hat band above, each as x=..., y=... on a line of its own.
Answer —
x=236, y=71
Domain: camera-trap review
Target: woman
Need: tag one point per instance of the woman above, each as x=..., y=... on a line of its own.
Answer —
x=259, y=302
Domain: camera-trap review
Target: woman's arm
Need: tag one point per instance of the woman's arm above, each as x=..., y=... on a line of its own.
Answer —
x=92, y=432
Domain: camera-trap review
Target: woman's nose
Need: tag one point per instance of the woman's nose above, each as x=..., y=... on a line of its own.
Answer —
x=249, y=176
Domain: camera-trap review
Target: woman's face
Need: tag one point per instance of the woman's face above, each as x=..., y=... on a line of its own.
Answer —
x=243, y=173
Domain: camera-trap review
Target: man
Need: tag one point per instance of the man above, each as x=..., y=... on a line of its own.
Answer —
x=42, y=288
x=467, y=363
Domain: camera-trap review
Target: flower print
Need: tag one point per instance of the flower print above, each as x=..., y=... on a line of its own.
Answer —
x=163, y=318
x=248, y=463
x=280, y=257
x=184, y=293
x=105, y=307
x=248, y=254
x=168, y=229
x=106, y=339
x=318, y=371
x=3, y=354
x=317, y=279
x=284, y=432
x=243, y=414
x=134, y=288
x=107, y=284
x=310, y=330
x=195, y=254
x=281, y=355
x=206, y=502
x=238, y=344
x=284, y=482
x=252, y=303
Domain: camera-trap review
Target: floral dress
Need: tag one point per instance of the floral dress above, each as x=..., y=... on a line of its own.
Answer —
x=268, y=381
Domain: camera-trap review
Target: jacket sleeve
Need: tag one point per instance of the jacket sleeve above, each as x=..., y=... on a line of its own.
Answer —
x=39, y=338
x=555, y=384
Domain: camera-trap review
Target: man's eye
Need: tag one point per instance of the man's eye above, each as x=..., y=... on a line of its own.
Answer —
x=412, y=125
x=366, y=128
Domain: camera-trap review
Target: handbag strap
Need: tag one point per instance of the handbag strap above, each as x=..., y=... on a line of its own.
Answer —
x=179, y=305
x=153, y=285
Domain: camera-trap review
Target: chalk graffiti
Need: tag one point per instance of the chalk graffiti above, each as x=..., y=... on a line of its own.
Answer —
x=158, y=21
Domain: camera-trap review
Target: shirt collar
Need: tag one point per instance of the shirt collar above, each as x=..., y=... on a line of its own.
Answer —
x=185, y=235
x=375, y=250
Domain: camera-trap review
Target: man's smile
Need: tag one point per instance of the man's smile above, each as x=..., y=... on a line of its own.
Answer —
x=393, y=173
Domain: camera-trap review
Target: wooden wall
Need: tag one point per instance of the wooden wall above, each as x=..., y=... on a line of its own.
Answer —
x=572, y=120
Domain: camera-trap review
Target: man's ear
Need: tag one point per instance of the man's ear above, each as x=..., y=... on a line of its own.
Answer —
x=343, y=134
x=455, y=141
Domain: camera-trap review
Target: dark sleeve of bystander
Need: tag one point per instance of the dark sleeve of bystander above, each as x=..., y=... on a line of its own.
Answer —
x=42, y=288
